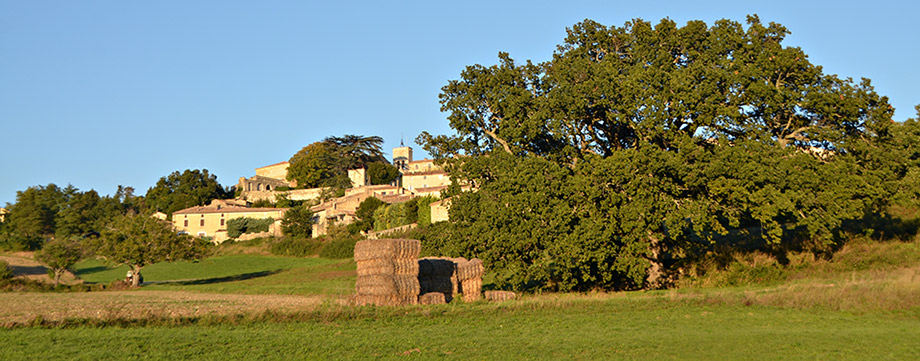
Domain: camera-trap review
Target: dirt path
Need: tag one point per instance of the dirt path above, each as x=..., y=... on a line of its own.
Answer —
x=24, y=265
x=22, y=307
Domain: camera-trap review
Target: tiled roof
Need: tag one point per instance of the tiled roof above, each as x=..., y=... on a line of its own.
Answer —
x=419, y=173
x=226, y=209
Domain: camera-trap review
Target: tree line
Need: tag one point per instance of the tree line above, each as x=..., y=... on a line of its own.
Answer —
x=640, y=149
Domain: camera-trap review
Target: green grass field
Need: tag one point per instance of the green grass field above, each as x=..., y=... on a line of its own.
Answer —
x=864, y=304
x=246, y=274
x=576, y=327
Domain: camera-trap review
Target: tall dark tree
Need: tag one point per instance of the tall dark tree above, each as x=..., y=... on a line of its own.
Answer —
x=182, y=190
x=326, y=163
x=34, y=216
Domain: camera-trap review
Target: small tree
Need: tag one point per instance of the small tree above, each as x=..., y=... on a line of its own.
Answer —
x=138, y=241
x=297, y=222
x=59, y=255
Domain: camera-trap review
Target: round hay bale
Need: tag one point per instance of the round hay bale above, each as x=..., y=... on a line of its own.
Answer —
x=386, y=266
x=498, y=296
x=469, y=270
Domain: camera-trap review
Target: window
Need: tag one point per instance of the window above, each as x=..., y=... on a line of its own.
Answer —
x=221, y=222
x=186, y=222
x=202, y=221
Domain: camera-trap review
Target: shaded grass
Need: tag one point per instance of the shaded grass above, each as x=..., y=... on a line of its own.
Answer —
x=634, y=326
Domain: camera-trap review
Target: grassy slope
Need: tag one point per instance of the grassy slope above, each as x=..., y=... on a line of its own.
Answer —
x=621, y=327
x=248, y=274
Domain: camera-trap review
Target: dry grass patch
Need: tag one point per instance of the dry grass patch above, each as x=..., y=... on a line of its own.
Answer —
x=26, y=307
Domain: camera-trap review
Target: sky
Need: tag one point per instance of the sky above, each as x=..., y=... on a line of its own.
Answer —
x=98, y=94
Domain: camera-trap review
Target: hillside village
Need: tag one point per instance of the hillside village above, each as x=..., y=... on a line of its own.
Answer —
x=418, y=178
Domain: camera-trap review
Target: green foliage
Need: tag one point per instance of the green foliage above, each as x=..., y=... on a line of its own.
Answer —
x=637, y=148
x=5, y=272
x=295, y=247
x=382, y=173
x=239, y=226
x=424, y=210
x=182, y=190
x=34, y=215
x=326, y=163
x=365, y=215
x=282, y=201
x=59, y=255
x=139, y=240
x=44, y=211
x=339, y=248
x=297, y=222
x=395, y=215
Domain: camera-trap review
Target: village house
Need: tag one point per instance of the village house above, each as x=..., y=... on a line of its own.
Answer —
x=342, y=210
x=211, y=220
x=3, y=213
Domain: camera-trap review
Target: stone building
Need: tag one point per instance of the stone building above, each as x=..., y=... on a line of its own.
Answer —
x=211, y=220
x=342, y=210
x=3, y=213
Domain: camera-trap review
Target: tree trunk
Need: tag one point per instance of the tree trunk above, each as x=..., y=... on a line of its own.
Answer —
x=654, y=272
x=136, y=278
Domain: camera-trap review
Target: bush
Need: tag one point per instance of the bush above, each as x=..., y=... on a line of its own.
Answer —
x=298, y=222
x=339, y=248
x=239, y=226
x=5, y=271
x=295, y=247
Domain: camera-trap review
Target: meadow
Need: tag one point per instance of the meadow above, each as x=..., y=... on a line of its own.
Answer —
x=864, y=303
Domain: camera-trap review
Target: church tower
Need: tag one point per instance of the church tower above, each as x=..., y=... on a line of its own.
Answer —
x=402, y=155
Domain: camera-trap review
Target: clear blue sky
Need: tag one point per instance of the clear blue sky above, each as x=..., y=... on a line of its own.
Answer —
x=102, y=93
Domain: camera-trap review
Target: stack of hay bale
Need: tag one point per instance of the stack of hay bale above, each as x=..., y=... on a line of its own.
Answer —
x=449, y=276
x=437, y=280
x=470, y=276
x=387, y=272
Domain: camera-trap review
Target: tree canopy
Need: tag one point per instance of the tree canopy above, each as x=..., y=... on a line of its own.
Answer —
x=182, y=190
x=44, y=212
x=326, y=163
x=140, y=240
x=638, y=147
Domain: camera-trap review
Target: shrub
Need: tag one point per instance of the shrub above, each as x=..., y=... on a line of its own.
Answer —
x=295, y=247
x=239, y=226
x=339, y=248
x=5, y=271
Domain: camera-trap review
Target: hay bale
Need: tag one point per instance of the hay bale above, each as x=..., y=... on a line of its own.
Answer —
x=498, y=296
x=387, y=285
x=435, y=284
x=432, y=298
x=471, y=289
x=388, y=267
x=387, y=249
x=436, y=267
x=386, y=300
x=470, y=270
